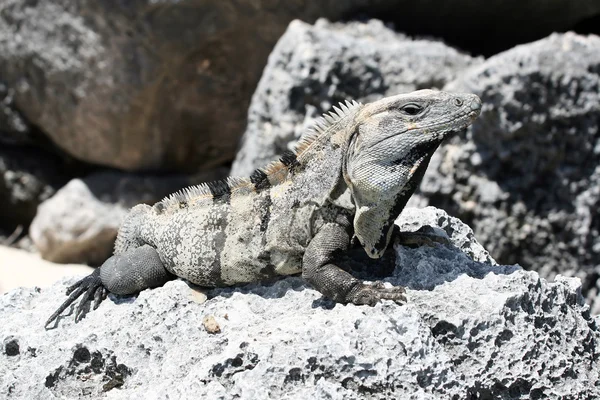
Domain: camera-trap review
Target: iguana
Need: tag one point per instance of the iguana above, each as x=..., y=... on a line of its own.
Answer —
x=349, y=177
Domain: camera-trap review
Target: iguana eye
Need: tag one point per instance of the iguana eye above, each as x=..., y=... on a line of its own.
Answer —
x=412, y=109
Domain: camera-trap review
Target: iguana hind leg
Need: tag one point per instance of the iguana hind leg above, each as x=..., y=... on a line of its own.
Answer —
x=127, y=273
x=332, y=281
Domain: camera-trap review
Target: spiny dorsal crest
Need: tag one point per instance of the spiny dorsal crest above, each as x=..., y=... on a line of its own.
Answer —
x=274, y=173
x=322, y=125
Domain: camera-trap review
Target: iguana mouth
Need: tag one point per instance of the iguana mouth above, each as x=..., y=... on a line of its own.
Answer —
x=460, y=122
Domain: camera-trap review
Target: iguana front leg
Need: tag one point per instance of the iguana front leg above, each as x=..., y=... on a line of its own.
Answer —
x=332, y=281
x=127, y=273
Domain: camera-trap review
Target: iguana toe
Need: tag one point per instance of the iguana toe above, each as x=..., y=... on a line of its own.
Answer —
x=90, y=286
x=371, y=294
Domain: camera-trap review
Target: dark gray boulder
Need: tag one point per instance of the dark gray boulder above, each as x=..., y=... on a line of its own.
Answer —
x=141, y=84
x=471, y=329
x=313, y=67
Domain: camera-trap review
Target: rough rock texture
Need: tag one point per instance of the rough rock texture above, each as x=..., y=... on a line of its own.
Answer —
x=79, y=223
x=313, y=68
x=28, y=176
x=470, y=330
x=526, y=177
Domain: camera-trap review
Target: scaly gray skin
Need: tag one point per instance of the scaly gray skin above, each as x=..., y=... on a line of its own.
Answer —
x=352, y=175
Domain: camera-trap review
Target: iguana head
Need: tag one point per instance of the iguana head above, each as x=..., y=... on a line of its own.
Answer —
x=389, y=151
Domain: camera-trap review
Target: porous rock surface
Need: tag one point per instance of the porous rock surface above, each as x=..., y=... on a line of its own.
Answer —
x=314, y=67
x=471, y=330
x=526, y=175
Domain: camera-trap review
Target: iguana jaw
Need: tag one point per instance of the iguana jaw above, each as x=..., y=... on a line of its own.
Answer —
x=389, y=153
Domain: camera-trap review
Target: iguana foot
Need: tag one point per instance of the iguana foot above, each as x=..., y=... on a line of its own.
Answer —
x=126, y=273
x=424, y=236
x=91, y=287
x=371, y=294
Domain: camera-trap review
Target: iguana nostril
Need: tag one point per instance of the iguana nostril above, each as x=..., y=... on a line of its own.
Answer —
x=476, y=104
x=458, y=102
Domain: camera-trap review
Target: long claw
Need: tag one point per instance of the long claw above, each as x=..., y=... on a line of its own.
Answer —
x=80, y=310
x=91, y=285
x=64, y=305
x=74, y=286
x=98, y=296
